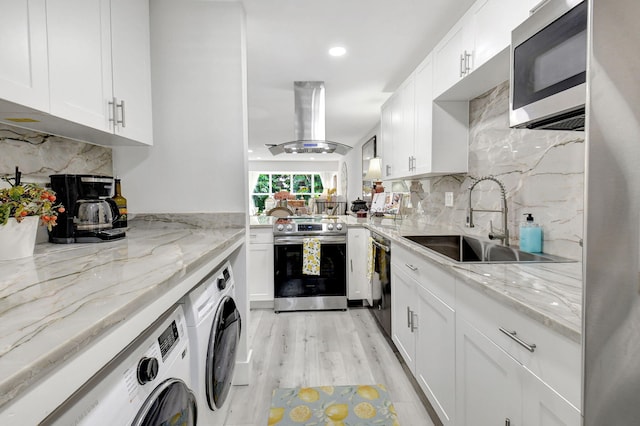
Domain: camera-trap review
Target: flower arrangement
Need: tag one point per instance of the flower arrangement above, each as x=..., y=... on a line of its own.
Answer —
x=28, y=199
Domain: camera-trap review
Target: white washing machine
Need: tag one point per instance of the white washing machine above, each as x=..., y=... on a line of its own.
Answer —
x=148, y=384
x=214, y=327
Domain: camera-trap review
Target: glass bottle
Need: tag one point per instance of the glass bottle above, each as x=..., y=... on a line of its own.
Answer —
x=121, y=202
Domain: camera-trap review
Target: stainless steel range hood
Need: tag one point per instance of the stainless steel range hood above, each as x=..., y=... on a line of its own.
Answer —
x=309, y=123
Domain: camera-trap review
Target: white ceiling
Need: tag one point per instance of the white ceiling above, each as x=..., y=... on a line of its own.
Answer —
x=288, y=40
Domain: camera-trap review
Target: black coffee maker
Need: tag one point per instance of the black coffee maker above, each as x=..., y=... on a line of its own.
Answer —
x=89, y=213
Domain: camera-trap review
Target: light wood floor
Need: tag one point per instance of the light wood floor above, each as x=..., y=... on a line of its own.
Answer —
x=315, y=349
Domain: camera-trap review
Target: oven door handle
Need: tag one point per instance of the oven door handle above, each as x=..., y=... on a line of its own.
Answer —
x=325, y=239
x=382, y=246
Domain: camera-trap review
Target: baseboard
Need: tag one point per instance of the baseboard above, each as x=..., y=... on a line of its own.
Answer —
x=242, y=375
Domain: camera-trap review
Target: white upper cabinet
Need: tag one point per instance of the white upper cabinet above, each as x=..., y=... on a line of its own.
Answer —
x=420, y=137
x=23, y=49
x=80, y=61
x=99, y=66
x=131, y=67
x=480, y=36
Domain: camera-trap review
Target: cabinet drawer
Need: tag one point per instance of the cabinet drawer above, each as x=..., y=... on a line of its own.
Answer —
x=556, y=360
x=427, y=273
x=261, y=236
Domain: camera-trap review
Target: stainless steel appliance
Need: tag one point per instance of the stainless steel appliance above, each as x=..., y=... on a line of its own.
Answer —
x=381, y=281
x=611, y=253
x=90, y=213
x=549, y=67
x=295, y=290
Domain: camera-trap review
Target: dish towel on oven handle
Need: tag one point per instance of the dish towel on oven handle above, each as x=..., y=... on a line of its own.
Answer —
x=370, y=260
x=311, y=256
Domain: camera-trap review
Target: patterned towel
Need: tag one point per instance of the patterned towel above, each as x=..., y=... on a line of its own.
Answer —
x=356, y=405
x=311, y=256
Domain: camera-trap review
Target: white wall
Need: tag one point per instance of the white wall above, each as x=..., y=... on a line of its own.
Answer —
x=354, y=166
x=199, y=159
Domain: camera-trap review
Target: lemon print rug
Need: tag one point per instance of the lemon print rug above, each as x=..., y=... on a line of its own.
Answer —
x=355, y=405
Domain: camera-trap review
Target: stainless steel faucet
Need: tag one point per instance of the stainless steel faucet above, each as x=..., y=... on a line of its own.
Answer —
x=500, y=234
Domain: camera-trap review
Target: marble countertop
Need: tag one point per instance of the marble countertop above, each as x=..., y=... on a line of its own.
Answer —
x=66, y=298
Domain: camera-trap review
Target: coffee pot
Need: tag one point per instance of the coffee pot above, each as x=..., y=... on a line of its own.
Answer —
x=91, y=213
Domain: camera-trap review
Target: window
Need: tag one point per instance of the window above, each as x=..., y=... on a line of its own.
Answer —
x=303, y=186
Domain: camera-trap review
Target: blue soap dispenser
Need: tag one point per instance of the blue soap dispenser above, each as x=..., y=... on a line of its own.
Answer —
x=530, y=235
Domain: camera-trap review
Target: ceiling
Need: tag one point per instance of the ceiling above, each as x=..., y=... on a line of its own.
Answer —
x=288, y=40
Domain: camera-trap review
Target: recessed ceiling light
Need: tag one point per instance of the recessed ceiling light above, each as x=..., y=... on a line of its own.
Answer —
x=312, y=158
x=250, y=151
x=337, y=51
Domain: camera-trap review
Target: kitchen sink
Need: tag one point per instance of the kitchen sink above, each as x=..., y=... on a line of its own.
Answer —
x=466, y=249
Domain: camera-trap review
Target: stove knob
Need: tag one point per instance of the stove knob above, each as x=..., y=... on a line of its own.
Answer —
x=289, y=227
x=280, y=227
x=339, y=227
x=147, y=370
x=330, y=227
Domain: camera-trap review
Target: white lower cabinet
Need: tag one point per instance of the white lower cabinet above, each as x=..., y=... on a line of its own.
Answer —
x=260, y=265
x=473, y=373
x=495, y=389
x=488, y=389
x=357, y=245
x=423, y=329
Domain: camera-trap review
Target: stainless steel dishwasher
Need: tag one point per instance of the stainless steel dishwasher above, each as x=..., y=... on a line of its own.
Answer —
x=381, y=281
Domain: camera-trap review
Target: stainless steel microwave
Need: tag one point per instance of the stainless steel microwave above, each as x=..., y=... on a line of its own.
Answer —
x=549, y=68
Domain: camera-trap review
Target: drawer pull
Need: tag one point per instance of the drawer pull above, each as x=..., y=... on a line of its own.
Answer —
x=413, y=268
x=530, y=347
x=507, y=422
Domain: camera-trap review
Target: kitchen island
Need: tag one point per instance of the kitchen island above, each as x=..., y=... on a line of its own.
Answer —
x=70, y=309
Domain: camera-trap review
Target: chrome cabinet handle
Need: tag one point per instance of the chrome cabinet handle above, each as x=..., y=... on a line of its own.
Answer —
x=413, y=268
x=409, y=163
x=462, y=65
x=122, y=114
x=351, y=261
x=507, y=422
x=388, y=167
x=413, y=327
x=408, y=317
x=467, y=62
x=512, y=334
x=112, y=118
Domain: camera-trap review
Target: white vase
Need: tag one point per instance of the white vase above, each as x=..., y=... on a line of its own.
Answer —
x=17, y=240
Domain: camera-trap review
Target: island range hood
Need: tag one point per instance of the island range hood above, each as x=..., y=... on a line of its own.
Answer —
x=309, y=123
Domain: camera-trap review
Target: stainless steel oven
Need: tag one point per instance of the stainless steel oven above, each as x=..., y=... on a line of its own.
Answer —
x=381, y=281
x=549, y=67
x=296, y=290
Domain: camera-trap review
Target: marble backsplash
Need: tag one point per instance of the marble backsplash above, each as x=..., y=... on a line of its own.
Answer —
x=543, y=173
x=39, y=155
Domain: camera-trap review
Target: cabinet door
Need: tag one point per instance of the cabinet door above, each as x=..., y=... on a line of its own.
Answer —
x=357, y=249
x=493, y=21
x=488, y=386
x=435, y=353
x=80, y=61
x=131, y=67
x=448, y=63
x=543, y=406
x=385, y=150
x=260, y=272
x=403, y=308
x=403, y=128
x=423, y=116
x=23, y=49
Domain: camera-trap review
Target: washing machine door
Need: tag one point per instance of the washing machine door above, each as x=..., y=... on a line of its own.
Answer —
x=170, y=404
x=221, y=354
